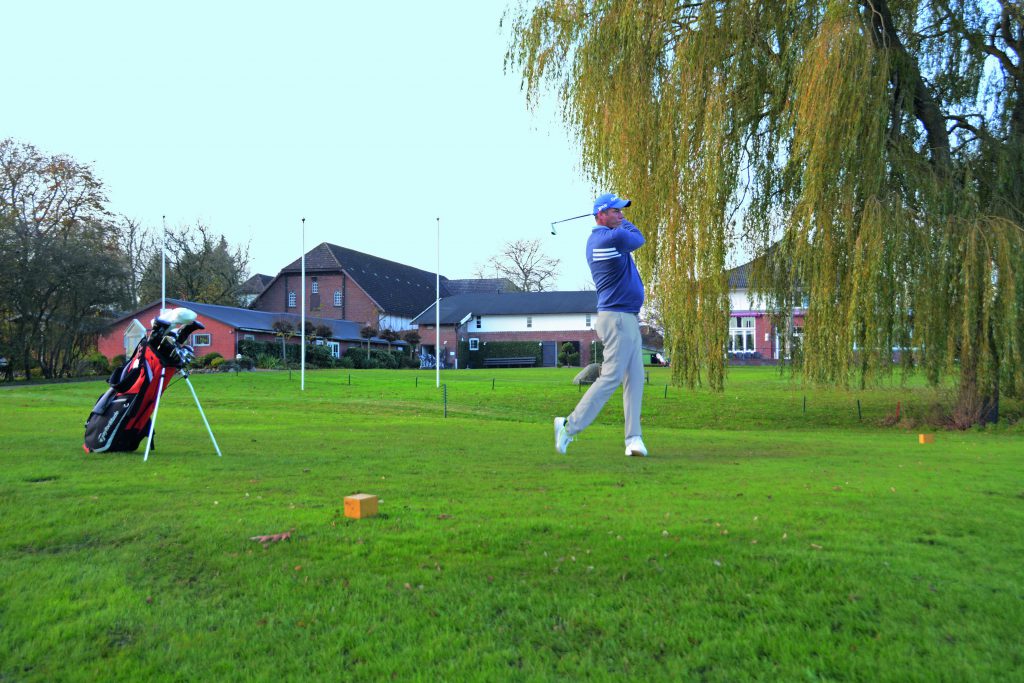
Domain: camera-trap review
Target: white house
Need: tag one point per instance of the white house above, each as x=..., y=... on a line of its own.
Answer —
x=549, y=319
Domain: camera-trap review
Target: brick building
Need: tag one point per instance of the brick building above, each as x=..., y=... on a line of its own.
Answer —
x=753, y=338
x=344, y=284
x=226, y=326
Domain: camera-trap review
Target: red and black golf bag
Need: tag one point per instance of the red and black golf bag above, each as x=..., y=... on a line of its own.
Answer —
x=120, y=420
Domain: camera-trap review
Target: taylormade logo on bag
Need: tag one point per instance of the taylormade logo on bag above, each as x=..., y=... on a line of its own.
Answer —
x=110, y=423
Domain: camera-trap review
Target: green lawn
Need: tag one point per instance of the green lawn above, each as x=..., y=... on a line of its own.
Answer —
x=761, y=541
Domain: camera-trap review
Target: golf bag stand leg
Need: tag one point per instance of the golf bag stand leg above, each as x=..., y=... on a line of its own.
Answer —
x=202, y=414
x=152, y=420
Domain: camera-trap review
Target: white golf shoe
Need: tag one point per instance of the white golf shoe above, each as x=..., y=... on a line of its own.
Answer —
x=562, y=437
x=636, y=447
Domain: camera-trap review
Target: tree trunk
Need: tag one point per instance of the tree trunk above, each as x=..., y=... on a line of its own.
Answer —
x=926, y=109
x=976, y=404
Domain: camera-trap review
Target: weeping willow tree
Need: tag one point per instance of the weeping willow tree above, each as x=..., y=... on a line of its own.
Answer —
x=868, y=152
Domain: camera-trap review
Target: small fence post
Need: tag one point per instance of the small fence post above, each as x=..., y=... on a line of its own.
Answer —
x=666, y=392
x=445, y=388
x=805, y=404
x=492, y=384
x=858, y=411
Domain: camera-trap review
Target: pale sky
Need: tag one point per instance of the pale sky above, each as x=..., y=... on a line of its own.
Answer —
x=370, y=120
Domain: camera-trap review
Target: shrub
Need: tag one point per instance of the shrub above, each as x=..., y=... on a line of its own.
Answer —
x=94, y=363
x=255, y=349
x=319, y=357
x=214, y=363
x=569, y=355
x=118, y=361
x=379, y=358
x=268, y=361
x=207, y=360
x=346, y=362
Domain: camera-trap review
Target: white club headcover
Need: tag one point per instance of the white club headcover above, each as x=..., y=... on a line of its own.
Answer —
x=177, y=317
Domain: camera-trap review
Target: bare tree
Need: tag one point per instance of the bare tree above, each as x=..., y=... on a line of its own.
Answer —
x=524, y=264
x=139, y=245
x=201, y=267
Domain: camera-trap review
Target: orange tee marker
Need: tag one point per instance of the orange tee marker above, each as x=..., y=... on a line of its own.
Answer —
x=360, y=505
x=926, y=438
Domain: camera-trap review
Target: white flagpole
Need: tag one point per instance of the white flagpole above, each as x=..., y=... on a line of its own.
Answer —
x=302, y=351
x=437, y=309
x=163, y=272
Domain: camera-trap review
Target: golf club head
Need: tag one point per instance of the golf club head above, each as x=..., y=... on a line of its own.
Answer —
x=564, y=220
x=188, y=329
x=187, y=354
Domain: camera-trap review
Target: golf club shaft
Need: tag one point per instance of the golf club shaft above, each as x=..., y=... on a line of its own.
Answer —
x=585, y=215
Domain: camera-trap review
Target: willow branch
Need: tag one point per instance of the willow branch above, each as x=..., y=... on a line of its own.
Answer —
x=926, y=109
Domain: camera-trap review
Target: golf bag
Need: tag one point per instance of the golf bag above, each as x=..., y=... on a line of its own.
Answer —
x=120, y=420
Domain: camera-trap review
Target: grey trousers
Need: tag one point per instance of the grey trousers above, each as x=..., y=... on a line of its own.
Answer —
x=623, y=364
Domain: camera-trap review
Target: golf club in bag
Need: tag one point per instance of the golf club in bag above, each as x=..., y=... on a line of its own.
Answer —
x=126, y=413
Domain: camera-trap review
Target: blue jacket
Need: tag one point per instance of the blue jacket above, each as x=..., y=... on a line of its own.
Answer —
x=618, y=283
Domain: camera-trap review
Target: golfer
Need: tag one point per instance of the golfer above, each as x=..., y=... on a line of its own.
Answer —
x=620, y=293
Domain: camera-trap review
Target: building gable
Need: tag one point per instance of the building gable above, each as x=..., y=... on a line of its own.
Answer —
x=397, y=289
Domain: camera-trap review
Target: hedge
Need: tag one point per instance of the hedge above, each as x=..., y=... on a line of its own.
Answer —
x=316, y=356
x=500, y=349
x=380, y=358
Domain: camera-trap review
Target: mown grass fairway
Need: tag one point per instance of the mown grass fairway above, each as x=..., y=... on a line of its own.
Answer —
x=759, y=542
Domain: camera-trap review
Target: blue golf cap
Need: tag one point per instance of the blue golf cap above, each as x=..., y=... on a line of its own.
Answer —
x=610, y=200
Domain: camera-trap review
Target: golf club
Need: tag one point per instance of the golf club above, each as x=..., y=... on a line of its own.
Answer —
x=568, y=219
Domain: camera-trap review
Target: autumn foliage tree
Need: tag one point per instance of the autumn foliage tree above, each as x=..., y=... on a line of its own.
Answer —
x=60, y=266
x=870, y=152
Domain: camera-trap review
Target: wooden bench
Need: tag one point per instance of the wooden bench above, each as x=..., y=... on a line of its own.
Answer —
x=509, y=362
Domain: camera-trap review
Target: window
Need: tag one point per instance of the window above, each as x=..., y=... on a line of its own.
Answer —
x=203, y=339
x=335, y=348
x=248, y=337
x=291, y=299
x=529, y=321
x=474, y=344
x=315, y=287
x=741, y=334
x=478, y=322
x=588, y=320
x=337, y=298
